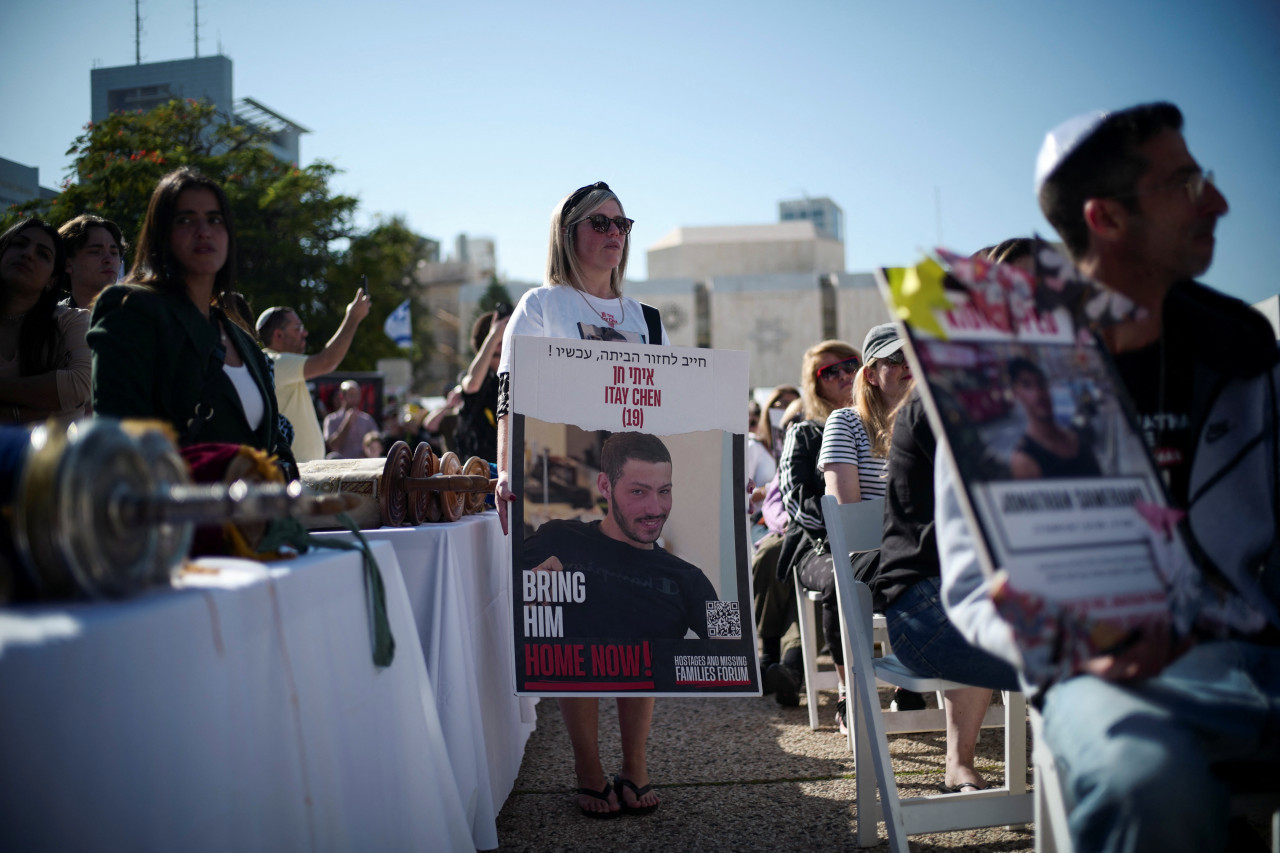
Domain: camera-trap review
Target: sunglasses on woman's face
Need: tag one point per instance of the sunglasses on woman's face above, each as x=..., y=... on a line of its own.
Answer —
x=840, y=368
x=601, y=223
x=898, y=357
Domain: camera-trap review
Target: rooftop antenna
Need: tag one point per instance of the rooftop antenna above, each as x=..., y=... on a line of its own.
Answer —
x=137, y=33
x=196, y=3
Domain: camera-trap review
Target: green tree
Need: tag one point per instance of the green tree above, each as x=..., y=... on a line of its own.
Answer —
x=386, y=256
x=496, y=294
x=296, y=244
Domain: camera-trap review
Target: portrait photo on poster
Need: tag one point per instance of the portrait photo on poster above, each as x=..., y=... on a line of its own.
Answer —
x=629, y=563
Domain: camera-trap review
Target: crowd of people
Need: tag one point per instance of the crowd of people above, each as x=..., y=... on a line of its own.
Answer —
x=1139, y=732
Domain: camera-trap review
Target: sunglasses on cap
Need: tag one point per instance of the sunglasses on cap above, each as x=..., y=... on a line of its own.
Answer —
x=601, y=223
x=840, y=368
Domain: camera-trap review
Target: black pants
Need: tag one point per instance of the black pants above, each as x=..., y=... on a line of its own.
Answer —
x=817, y=572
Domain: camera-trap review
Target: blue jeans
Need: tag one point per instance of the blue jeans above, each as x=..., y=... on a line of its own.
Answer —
x=926, y=641
x=1136, y=759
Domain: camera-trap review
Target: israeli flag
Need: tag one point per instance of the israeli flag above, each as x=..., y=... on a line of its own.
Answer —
x=398, y=327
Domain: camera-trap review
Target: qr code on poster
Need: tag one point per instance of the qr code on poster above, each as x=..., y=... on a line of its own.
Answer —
x=724, y=621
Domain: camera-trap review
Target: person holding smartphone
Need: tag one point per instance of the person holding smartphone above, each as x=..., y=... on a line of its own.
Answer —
x=477, y=430
x=285, y=339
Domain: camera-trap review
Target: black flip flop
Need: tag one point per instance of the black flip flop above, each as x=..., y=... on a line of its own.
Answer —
x=602, y=794
x=619, y=783
x=959, y=789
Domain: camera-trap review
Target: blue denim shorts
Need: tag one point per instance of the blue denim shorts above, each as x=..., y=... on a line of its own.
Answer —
x=926, y=641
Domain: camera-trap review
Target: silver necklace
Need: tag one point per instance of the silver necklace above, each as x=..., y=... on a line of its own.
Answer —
x=622, y=310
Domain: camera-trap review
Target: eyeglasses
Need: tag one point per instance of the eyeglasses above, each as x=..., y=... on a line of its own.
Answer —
x=896, y=357
x=601, y=223
x=840, y=368
x=1196, y=183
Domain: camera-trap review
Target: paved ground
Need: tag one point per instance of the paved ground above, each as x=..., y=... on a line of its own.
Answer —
x=734, y=775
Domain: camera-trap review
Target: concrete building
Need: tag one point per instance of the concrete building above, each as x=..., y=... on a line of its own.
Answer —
x=208, y=78
x=19, y=183
x=824, y=213
x=784, y=247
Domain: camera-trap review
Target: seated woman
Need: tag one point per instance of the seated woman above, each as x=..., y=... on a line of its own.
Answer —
x=167, y=344
x=44, y=362
x=853, y=461
x=827, y=375
x=907, y=584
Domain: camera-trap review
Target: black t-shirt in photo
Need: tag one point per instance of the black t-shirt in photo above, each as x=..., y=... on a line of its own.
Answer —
x=631, y=593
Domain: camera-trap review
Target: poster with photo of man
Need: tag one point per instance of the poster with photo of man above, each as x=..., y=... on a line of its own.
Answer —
x=1057, y=481
x=630, y=569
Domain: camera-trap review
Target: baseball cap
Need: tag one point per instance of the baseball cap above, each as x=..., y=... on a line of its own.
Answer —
x=881, y=341
x=1060, y=142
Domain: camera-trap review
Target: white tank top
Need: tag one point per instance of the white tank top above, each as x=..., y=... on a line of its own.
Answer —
x=250, y=395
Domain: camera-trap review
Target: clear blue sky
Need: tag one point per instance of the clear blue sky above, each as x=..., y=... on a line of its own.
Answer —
x=477, y=117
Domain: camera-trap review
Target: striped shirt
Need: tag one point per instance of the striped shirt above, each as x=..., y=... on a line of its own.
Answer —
x=845, y=440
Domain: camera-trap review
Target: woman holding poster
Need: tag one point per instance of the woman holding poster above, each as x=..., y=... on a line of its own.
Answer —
x=582, y=299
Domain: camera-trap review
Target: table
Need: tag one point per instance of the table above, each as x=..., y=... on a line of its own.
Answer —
x=242, y=712
x=458, y=577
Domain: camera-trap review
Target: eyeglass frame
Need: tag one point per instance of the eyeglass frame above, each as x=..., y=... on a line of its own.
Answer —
x=619, y=221
x=1194, y=186
x=843, y=365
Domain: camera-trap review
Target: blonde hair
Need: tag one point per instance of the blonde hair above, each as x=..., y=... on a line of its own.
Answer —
x=562, y=255
x=816, y=408
x=875, y=410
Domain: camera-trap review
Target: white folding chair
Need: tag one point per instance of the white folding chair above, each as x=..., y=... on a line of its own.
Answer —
x=1006, y=805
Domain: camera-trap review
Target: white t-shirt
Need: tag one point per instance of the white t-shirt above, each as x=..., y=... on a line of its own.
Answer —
x=845, y=439
x=294, y=401
x=562, y=311
x=759, y=463
x=250, y=394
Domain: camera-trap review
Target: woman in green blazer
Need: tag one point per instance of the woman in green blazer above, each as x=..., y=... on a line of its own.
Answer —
x=168, y=345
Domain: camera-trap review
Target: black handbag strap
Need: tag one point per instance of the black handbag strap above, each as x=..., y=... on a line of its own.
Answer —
x=653, y=319
x=204, y=407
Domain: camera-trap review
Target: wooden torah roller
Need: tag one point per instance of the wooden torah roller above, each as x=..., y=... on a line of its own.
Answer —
x=405, y=488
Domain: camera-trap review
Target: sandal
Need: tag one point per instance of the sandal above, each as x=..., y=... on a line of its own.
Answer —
x=619, y=783
x=602, y=794
x=961, y=788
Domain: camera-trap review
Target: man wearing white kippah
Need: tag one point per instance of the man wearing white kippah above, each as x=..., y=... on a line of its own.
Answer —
x=1148, y=738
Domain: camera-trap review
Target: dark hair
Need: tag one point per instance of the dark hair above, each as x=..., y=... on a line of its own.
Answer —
x=1019, y=365
x=621, y=446
x=480, y=329
x=75, y=233
x=1107, y=164
x=270, y=320
x=1009, y=251
x=155, y=265
x=39, y=339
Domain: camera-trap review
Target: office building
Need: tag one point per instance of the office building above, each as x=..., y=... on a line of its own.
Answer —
x=206, y=78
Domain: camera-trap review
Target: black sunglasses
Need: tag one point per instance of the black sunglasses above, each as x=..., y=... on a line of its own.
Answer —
x=840, y=368
x=601, y=223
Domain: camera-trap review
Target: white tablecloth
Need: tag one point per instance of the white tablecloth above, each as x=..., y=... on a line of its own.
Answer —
x=241, y=713
x=458, y=578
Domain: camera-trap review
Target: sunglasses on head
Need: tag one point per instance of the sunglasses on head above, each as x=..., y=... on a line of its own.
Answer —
x=840, y=368
x=579, y=194
x=601, y=223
